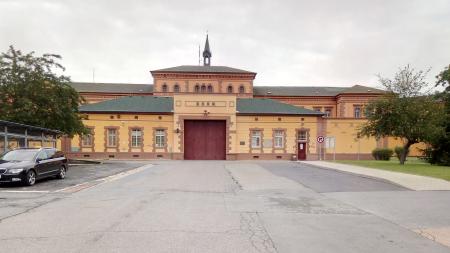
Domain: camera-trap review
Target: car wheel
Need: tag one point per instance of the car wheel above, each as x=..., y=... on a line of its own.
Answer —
x=62, y=173
x=31, y=178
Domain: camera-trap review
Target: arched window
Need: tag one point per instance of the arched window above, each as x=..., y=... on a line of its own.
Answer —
x=164, y=88
x=203, y=88
x=210, y=89
x=197, y=88
x=230, y=89
x=176, y=88
x=241, y=89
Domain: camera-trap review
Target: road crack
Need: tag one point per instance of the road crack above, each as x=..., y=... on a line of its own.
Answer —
x=251, y=225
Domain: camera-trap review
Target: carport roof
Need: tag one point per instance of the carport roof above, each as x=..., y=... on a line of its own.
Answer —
x=4, y=123
x=130, y=104
x=257, y=106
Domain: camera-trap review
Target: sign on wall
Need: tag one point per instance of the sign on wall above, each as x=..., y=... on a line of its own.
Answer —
x=320, y=139
x=267, y=143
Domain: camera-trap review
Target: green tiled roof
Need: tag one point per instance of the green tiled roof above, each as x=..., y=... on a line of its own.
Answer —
x=316, y=91
x=112, y=87
x=203, y=69
x=270, y=106
x=150, y=104
x=142, y=104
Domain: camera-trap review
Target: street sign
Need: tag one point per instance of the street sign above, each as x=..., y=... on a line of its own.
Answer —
x=320, y=139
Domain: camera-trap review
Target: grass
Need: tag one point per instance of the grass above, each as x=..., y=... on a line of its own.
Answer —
x=412, y=166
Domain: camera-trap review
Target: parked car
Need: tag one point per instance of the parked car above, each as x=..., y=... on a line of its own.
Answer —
x=27, y=165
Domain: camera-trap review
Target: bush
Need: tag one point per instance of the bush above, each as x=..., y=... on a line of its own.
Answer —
x=398, y=151
x=382, y=154
x=437, y=156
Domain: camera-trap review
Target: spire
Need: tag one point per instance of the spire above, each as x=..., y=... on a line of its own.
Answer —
x=207, y=53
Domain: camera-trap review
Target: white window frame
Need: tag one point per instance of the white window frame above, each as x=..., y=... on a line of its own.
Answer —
x=165, y=88
x=160, y=138
x=256, y=139
x=301, y=134
x=357, y=111
x=328, y=111
x=86, y=140
x=278, y=137
x=136, y=138
x=112, y=137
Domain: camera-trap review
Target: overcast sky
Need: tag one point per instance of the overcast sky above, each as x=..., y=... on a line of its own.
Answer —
x=305, y=43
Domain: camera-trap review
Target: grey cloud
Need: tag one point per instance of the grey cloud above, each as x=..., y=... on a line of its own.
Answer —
x=286, y=42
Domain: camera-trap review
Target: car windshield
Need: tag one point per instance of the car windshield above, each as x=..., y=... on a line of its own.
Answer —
x=19, y=155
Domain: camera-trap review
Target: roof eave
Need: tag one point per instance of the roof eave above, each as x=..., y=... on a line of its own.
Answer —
x=123, y=112
x=279, y=114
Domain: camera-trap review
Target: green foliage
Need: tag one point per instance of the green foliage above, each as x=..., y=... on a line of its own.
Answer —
x=439, y=152
x=383, y=154
x=399, y=151
x=444, y=78
x=412, y=166
x=404, y=112
x=31, y=92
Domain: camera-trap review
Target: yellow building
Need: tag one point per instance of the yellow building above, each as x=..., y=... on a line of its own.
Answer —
x=216, y=112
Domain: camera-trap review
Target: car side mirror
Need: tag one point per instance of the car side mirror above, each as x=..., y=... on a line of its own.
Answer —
x=38, y=160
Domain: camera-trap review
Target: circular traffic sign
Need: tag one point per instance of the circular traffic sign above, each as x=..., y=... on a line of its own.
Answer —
x=320, y=139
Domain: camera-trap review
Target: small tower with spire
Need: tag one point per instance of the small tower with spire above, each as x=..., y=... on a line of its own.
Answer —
x=207, y=53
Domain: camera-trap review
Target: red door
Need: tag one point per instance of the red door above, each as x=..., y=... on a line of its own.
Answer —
x=204, y=139
x=301, y=151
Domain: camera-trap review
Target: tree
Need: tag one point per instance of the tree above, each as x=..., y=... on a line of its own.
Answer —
x=444, y=79
x=31, y=92
x=404, y=111
x=439, y=153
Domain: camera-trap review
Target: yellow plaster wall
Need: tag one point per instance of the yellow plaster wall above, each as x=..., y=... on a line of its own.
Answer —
x=414, y=150
x=204, y=106
x=267, y=124
x=147, y=122
x=345, y=132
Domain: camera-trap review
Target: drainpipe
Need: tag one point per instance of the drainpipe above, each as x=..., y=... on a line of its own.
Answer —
x=26, y=138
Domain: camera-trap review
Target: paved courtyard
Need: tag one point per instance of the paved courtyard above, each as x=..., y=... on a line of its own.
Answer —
x=220, y=206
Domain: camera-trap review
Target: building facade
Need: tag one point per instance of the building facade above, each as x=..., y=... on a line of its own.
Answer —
x=216, y=113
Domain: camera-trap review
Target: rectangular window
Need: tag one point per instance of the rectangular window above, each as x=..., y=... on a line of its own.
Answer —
x=357, y=111
x=112, y=137
x=136, y=138
x=256, y=139
x=328, y=111
x=279, y=139
x=302, y=136
x=86, y=140
x=160, y=138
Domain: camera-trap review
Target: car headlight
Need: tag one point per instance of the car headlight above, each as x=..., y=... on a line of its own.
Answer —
x=14, y=171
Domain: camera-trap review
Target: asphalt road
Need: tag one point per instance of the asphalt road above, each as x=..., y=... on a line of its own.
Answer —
x=326, y=180
x=210, y=206
x=76, y=174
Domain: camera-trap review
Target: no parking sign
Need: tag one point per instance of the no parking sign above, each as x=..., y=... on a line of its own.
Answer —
x=320, y=139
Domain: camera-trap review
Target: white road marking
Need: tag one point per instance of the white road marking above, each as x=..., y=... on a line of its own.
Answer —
x=99, y=181
x=26, y=191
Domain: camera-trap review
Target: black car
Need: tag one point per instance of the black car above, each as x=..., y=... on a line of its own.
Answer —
x=29, y=164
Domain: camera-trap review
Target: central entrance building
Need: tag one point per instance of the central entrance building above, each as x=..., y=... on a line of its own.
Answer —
x=214, y=113
x=204, y=139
